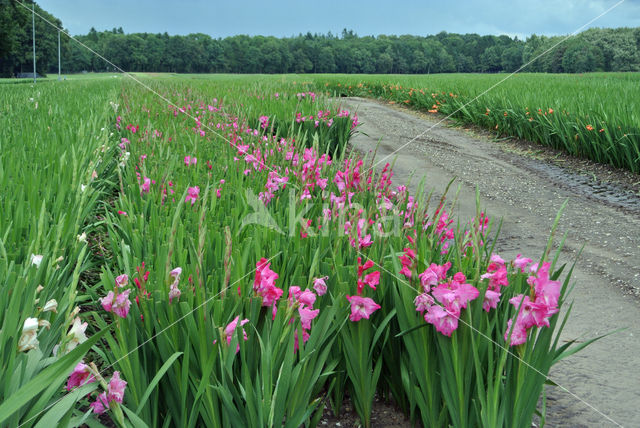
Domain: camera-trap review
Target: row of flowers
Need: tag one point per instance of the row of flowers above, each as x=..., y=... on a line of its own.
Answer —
x=346, y=209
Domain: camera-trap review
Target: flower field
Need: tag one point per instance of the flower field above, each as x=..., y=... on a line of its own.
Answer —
x=594, y=116
x=223, y=260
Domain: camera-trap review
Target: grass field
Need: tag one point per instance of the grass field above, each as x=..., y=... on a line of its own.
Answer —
x=595, y=115
x=219, y=260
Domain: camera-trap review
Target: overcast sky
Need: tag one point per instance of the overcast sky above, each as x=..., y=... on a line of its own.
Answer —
x=371, y=17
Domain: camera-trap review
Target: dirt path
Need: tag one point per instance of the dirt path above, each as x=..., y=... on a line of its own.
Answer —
x=527, y=194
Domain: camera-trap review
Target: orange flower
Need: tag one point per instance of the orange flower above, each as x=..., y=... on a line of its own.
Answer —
x=589, y=128
x=550, y=111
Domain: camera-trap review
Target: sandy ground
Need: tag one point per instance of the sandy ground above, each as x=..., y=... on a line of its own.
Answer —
x=527, y=192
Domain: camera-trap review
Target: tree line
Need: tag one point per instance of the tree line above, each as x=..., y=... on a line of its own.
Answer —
x=596, y=49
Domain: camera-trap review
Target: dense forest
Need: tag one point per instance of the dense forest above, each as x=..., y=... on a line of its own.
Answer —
x=595, y=49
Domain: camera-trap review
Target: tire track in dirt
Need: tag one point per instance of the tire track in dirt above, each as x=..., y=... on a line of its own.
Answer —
x=527, y=194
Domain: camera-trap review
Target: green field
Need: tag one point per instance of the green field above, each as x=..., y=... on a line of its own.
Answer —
x=594, y=115
x=158, y=227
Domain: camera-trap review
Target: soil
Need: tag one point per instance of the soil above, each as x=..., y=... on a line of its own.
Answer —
x=383, y=415
x=525, y=185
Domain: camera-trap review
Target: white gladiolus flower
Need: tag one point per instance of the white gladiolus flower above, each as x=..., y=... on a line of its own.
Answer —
x=29, y=338
x=51, y=305
x=36, y=259
x=83, y=237
x=77, y=334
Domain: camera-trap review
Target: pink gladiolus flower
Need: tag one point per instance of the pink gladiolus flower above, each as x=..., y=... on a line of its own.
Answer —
x=497, y=275
x=491, y=299
x=521, y=262
x=407, y=261
x=294, y=293
x=531, y=313
x=174, y=292
x=145, y=187
x=405, y=271
x=433, y=274
x=115, y=392
x=175, y=273
x=444, y=321
x=123, y=213
x=423, y=302
x=231, y=327
x=497, y=259
x=100, y=405
x=459, y=278
x=122, y=280
x=307, y=298
x=361, y=307
x=320, y=286
x=428, y=279
x=107, y=301
x=306, y=316
x=546, y=290
x=80, y=376
x=115, y=389
x=192, y=194
x=122, y=304
x=270, y=296
x=466, y=293
x=455, y=296
x=519, y=334
x=372, y=279
x=264, y=275
x=305, y=337
x=264, y=284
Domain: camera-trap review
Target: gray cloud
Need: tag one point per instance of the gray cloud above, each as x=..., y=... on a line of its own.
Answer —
x=372, y=17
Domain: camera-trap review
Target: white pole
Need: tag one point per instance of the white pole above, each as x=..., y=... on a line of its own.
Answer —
x=33, y=31
x=59, y=78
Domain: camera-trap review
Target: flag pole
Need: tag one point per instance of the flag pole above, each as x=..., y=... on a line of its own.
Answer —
x=59, y=78
x=33, y=31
